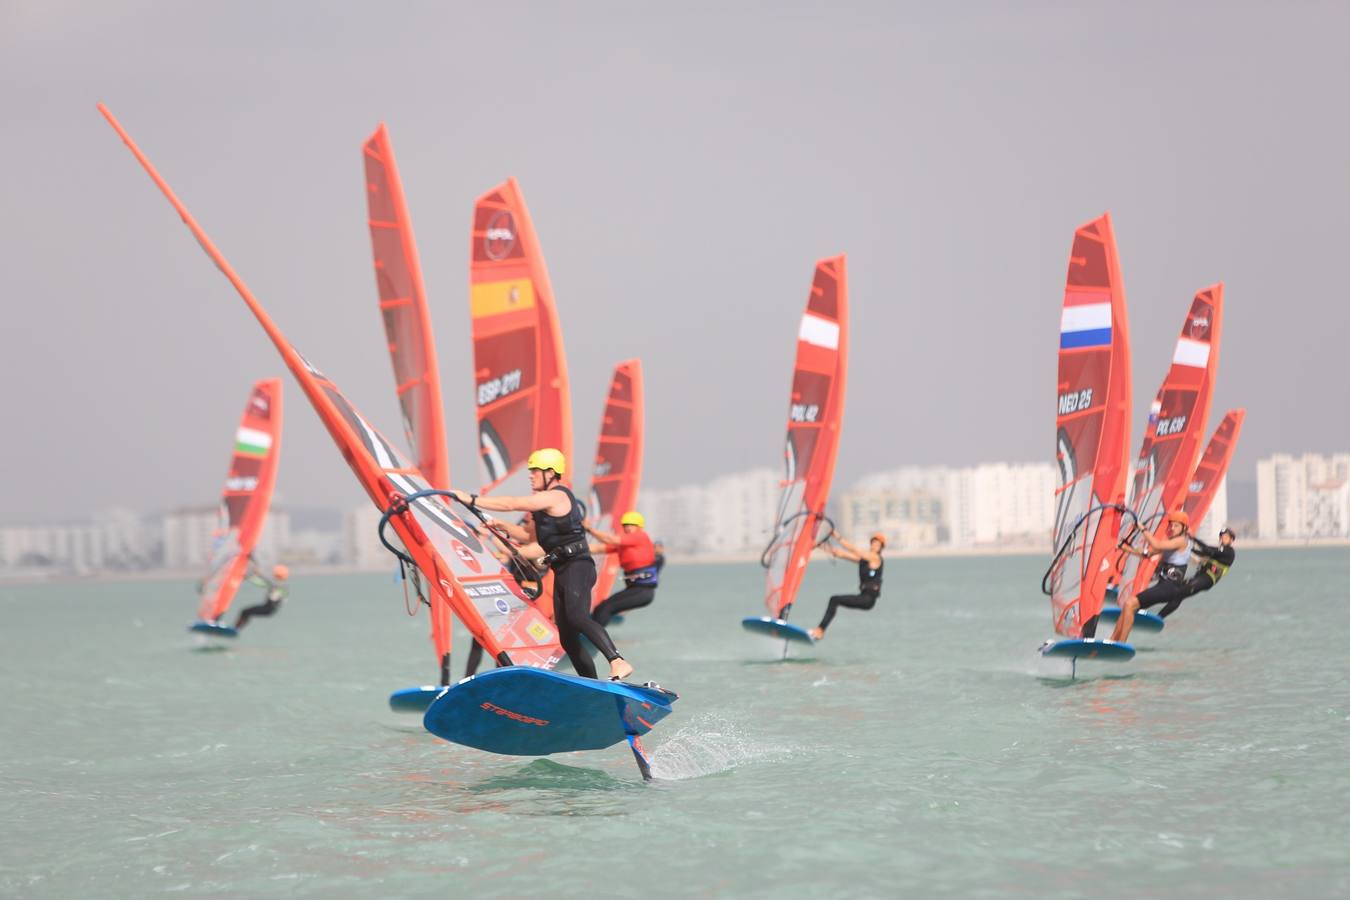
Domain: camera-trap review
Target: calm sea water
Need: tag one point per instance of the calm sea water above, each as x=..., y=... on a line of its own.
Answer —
x=922, y=749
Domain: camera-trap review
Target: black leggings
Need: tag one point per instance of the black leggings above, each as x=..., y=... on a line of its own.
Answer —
x=572, y=583
x=864, y=600
x=266, y=608
x=1170, y=593
x=475, y=659
x=634, y=596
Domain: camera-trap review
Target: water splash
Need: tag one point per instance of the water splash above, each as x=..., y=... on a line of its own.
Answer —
x=706, y=746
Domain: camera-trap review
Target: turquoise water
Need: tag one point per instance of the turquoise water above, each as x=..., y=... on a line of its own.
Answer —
x=923, y=749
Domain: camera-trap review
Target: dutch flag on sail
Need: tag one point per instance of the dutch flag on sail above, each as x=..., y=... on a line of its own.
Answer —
x=1085, y=322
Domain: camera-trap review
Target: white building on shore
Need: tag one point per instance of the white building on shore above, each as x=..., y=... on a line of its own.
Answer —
x=1302, y=498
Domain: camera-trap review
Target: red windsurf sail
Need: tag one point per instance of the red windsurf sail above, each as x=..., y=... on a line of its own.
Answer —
x=246, y=498
x=407, y=328
x=1213, y=466
x=520, y=373
x=815, y=415
x=458, y=567
x=617, y=472
x=1176, y=427
x=1092, y=422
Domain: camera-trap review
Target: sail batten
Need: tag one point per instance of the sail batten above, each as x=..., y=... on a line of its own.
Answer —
x=815, y=417
x=246, y=498
x=1176, y=429
x=1209, y=474
x=521, y=390
x=407, y=327
x=1092, y=417
x=616, y=474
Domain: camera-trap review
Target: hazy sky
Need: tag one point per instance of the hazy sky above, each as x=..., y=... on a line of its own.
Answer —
x=685, y=165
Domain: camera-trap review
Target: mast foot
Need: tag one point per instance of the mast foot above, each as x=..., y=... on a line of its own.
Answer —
x=643, y=762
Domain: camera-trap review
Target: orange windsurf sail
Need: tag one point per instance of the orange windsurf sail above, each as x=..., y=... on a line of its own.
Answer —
x=520, y=373
x=1213, y=466
x=1176, y=429
x=1092, y=422
x=246, y=498
x=815, y=416
x=617, y=472
x=407, y=329
x=458, y=567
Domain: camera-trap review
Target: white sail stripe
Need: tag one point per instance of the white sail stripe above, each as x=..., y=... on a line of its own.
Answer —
x=253, y=437
x=1191, y=353
x=818, y=331
x=1092, y=317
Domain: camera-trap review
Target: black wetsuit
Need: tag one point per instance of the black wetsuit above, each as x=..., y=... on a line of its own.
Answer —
x=1168, y=590
x=1218, y=560
x=276, y=594
x=869, y=589
x=569, y=556
x=639, y=591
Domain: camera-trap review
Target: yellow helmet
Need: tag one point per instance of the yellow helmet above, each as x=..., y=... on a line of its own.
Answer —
x=633, y=518
x=548, y=458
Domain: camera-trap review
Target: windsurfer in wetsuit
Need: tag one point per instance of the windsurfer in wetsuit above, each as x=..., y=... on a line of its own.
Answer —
x=1216, y=561
x=870, y=565
x=637, y=558
x=277, y=592
x=555, y=523
x=1175, y=550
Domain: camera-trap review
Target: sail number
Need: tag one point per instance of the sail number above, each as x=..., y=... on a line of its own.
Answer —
x=801, y=412
x=500, y=386
x=1174, y=425
x=1074, y=401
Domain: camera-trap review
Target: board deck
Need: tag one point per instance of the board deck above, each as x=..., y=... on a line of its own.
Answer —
x=415, y=699
x=213, y=629
x=1144, y=621
x=1088, y=648
x=522, y=711
x=777, y=628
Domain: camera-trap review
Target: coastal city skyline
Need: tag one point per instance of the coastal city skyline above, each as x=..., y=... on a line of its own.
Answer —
x=985, y=508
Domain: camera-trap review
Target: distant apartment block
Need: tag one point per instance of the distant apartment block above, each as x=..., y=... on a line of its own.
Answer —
x=1304, y=497
x=914, y=506
x=360, y=544
x=731, y=515
x=113, y=539
x=189, y=536
x=1217, y=517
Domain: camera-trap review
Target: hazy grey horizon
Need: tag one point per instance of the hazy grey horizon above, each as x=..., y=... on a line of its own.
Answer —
x=684, y=170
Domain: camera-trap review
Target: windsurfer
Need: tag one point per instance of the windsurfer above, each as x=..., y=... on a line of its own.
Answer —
x=1216, y=561
x=870, y=565
x=277, y=592
x=1175, y=550
x=638, y=559
x=556, y=524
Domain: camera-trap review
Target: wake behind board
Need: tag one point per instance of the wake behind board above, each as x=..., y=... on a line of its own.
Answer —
x=1088, y=648
x=523, y=711
x=415, y=699
x=777, y=628
x=213, y=629
x=1144, y=621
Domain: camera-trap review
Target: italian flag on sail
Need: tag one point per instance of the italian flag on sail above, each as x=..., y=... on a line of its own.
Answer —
x=252, y=442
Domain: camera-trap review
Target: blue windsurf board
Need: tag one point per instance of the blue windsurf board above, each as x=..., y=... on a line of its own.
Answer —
x=523, y=711
x=1144, y=621
x=1088, y=648
x=777, y=628
x=415, y=699
x=213, y=629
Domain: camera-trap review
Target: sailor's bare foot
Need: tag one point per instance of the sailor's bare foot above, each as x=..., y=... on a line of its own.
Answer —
x=816, y=633
x=619, y=669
